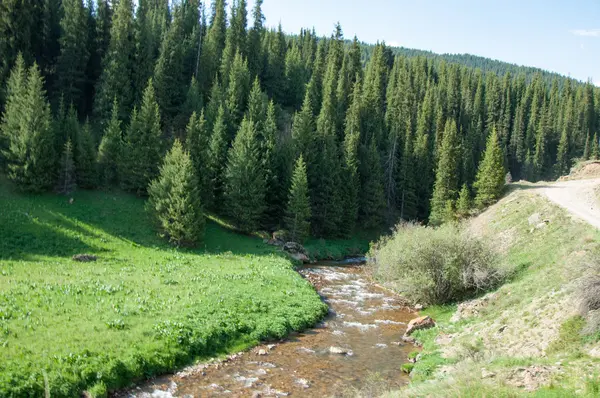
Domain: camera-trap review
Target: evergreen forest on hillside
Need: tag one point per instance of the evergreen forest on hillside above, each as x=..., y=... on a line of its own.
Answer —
x=318, y=135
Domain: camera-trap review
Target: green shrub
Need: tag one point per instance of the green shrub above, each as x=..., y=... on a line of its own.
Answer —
x=434, y=265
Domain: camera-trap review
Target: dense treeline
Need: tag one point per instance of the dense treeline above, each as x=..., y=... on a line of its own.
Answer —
x=277, y=130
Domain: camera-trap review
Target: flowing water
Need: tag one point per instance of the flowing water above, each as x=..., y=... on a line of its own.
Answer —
x=360, y=338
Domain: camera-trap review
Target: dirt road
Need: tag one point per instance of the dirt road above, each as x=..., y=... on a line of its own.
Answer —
x=577, y=196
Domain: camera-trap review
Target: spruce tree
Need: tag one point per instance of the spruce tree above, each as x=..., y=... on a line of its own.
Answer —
x=297, y=220
x=85, y=158
x=491, y=175
x=238, y=90
x=197, y=143
x=16, y=91
x=587, y=149
x=372, y=198
x=117, y=77
x=445, y=189
x=212, y=48
x=245, y=180
x=275, y=187
x=66, y=178
x=74, y=55
x=563, y=161
x=351, y=177
x=463, y=204
x=30, y=156
x=169, y=81
x=217, y=159
x=109, y=152
x=255, y=37
x=174, y=199
x=594, y=151
x=142, y=147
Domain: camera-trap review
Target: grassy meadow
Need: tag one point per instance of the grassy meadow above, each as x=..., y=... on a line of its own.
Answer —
x=142, y=308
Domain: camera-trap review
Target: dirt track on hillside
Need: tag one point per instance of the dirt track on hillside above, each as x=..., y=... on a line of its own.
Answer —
x=579, y=197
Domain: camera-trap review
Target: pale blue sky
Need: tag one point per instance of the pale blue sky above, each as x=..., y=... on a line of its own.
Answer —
x=560, y=36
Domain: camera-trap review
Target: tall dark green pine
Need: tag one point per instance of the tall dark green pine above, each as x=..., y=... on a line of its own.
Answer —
x=197, y=143
x=109, y=152
x=372, y=198
x=296, y=76
x=66, y=174
x=213, y=45
x=142, y=148
x=351, y=177
x=74, y=55
x=31, y=158
x=491, y=175
x=245, y=180
x=255, y=36
x=423, y=155
x=445, y=190
x=217, y=159
x=238, y=90
x=174, y=199
x=274, y=78
x=563, y=160
x=298, y=213
x=594, y=151
x=117, y=79
x=85, y=158
x=193, y=103
x=169, y=80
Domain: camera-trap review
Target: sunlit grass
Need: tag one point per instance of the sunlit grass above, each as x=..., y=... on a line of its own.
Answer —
x=142, y=308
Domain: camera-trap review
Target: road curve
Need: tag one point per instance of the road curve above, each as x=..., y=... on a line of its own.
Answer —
x=578, y=197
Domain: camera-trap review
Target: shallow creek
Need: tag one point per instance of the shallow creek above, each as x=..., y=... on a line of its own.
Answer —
x=361, y=336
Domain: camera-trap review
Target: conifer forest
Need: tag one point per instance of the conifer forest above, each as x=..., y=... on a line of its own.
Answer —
x=203, y=105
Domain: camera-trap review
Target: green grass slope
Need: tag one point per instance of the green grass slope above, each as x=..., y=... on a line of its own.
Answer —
x=142, y=309
x=527, y=338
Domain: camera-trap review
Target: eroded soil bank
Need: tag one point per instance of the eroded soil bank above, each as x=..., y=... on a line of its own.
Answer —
x=360, y=337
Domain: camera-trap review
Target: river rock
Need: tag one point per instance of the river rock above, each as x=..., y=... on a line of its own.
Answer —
x=297, y=251
x=486, y=374
x=338, y=350
x=262, y=352
x=423, y=322
x=84, y=258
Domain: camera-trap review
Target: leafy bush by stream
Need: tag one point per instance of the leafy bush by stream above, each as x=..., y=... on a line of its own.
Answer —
x=434, y=265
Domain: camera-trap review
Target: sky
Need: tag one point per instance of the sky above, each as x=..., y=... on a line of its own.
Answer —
x=559, y=36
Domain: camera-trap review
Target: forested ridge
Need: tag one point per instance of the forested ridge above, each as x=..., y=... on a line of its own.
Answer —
x=297, y=131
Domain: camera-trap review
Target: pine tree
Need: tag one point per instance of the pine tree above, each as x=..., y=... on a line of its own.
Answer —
x=586, y=149
x=351, y=176
x=16, y=91
x=66, y=178
x=238, y=90
x=563, y=161
x=109, y=152
x=255, y=38
x=85, y=158
x=217, y=159
x=463, y=204
x=372, y=198
x=594, y=151
x=298, y=212
x=117, y=76
x=491, y=175
x=245, y=180
x=169, y=82
x=26, y=123
x=275, y=187
x=142, y=147
x=445, y=189
x=197, y=143
x=174, y=200
x=74, y=55
x=212, y=48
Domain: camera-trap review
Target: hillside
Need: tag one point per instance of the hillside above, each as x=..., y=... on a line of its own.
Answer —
x=528, y=335
x=142, y=309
